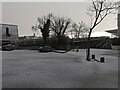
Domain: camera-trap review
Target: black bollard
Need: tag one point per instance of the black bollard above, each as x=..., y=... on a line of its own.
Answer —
x=93, y=56
x=102, y=59
x=77, y=50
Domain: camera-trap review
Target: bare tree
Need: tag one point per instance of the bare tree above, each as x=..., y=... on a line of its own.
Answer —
x=34, y=29
x=79, y=30
x=59, y=25
x=44, y=25
x=99, y=10
x=71, y=33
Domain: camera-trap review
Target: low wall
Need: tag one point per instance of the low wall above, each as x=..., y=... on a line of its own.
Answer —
x=116, y=47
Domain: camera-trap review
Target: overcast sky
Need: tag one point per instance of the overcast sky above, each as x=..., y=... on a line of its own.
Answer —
x=25, y=14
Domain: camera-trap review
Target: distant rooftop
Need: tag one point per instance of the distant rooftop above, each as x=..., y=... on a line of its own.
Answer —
x=114, y=31
x=8, y=24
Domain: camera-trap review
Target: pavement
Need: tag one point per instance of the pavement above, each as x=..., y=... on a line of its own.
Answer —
x=31, y=69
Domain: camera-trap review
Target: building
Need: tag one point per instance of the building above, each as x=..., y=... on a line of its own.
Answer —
x=9, y=32
x=116, y=32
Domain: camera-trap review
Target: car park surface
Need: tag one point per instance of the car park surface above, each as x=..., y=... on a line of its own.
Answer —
x=31, y=69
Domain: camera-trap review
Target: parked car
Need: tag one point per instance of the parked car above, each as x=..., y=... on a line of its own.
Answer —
x=45, y=49
x=7, y=46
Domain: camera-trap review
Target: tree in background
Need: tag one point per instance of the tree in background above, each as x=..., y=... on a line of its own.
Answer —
x=99, y=10
x=44, y=26
x=34, y=29
x=79, y=30
x=59, y=26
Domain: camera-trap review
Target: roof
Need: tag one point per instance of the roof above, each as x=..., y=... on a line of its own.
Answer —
x=9, y=24
x=114, y=31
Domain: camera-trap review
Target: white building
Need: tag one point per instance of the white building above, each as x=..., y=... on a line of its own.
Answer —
x=116, y=32
x=9, y=32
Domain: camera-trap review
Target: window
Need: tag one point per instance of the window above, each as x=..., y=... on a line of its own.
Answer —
x=7, y=32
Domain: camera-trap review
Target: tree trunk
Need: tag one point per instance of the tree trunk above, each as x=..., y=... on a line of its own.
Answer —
x=45, y=40
x=59, y=38
x=88, y=51
x=88, y=47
